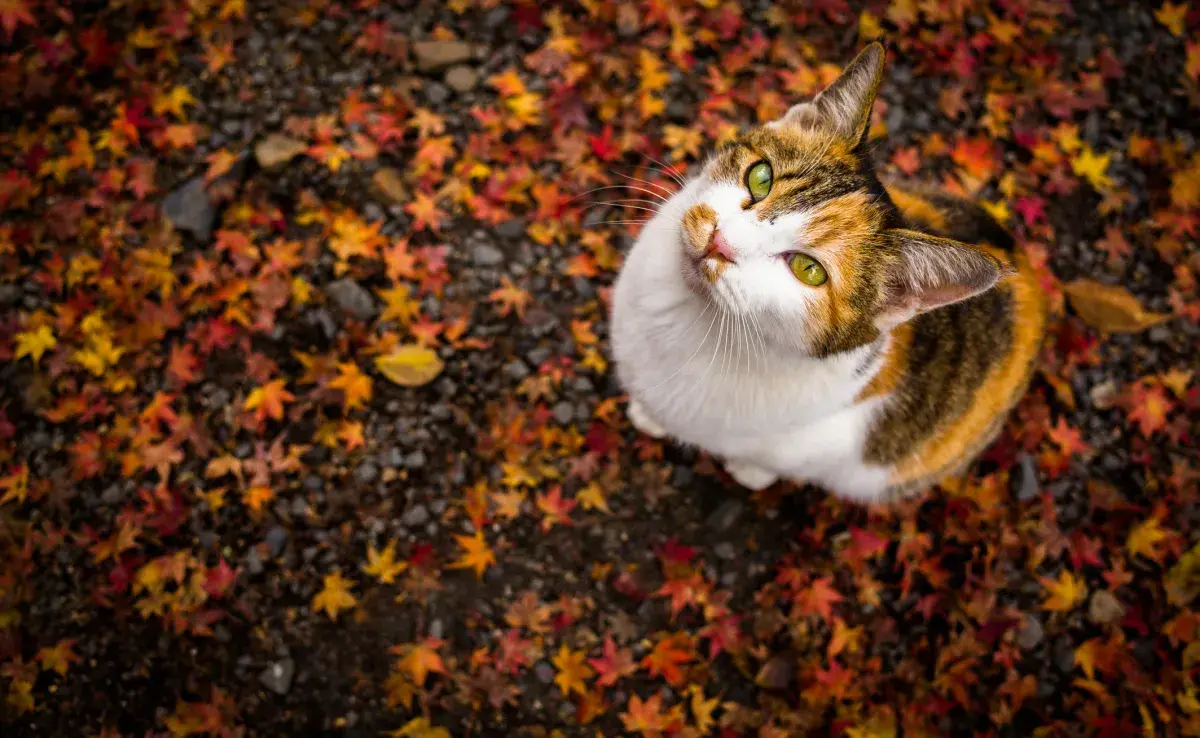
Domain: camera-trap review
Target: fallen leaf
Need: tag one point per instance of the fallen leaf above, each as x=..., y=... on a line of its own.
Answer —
x=1066, y=592
x=335, y=595
x=571, y=670
x=278, y=149
x=383, y=564
x=1108, y=308
x=476, y=555
x=410, y=366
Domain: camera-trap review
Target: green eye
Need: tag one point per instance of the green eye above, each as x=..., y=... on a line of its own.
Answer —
x=807, y=270
x=758, y=180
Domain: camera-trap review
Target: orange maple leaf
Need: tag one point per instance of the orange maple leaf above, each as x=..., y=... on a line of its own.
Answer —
x=556, y=510
x=1066, y=592
x=418, y=660
x=476, y=555
x=335, y=596
x=353, y=383
x=510, y=298
x=12, y=14
x=667, y=657
x=219, y=162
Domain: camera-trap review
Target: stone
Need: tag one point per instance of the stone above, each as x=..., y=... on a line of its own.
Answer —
x=352, y=298
x=1104, y=608
x=277, y=677
x=725, y=551
x=564, y=412
x=1024, y=481
x=433, y=56
x=276, y=539
x=486, y=255
x=725, y=516
x=389, y=184
x=415, y=517
x=436, y=93
x=511, y=228
x=1031, y=633
x=462, y=78
x=544, y=672
x=189, y=209
x=366, y=472
x=278, y=149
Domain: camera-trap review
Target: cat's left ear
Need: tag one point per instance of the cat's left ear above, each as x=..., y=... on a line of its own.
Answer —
x=929, y=272
x=845, y=106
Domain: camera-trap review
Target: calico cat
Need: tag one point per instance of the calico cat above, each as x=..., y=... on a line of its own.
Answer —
x=788, y=312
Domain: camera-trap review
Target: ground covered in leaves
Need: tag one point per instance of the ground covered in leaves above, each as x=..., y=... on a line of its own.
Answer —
x=307, y=425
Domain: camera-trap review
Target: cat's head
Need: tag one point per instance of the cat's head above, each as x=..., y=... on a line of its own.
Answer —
x=789, y=225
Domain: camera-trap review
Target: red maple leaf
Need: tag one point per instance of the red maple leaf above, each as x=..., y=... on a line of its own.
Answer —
x=556, y=510
x=604, y=146
x=616, y=663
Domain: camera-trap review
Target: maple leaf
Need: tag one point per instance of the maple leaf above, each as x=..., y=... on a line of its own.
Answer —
x=1172, y=16
x=399, y=304
x=59, y=657
x=1144, y=540
x=1092, y=167
x=257, y=496
x=1068, y=439
x=219, y=162
x=421, y=659
x=819, y=597
x=510, y=298
x=420, y=728
x=556, y=510
x=425, y=212
x=12, y=14
x=591, y=497
x=572, y=671
x=173, y=101
x=668, y=654
x=1066, y=592
x=355, y=385
x=702, y=709
x=614, y=664
x=646, y=717
x=476, y=555
x=383, y=564
x=34, y=343
x=267, y=401
x=1150, y=407
x=334, y=596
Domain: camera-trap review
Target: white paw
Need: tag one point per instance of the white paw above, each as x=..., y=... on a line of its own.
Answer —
x=750, y=476
x=641, y=420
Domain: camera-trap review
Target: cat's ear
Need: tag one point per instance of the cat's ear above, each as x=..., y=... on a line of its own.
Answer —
x=844, y=106
x=929, y=272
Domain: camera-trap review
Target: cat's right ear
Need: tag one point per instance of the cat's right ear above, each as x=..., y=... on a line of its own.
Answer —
x=929, y=272
x=845, y=106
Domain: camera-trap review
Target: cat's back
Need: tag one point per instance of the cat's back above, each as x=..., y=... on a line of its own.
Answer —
x=951, y=375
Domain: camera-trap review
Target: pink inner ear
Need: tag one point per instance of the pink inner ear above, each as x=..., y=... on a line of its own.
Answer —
x=943, y=295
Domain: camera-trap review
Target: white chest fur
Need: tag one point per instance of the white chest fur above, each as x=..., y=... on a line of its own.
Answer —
x=703, y=376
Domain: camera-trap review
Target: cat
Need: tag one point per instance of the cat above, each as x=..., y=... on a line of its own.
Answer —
x=790, y=314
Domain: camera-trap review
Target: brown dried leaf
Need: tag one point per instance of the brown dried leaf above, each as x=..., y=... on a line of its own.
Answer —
x=410, y=366
x=1110, y=309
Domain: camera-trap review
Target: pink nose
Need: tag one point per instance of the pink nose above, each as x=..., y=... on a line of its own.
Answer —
x=720, y=248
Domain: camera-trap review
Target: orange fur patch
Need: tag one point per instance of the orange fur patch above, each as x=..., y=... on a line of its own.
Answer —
x=894, y=366
x=998, y=392
x=699, y=223
x=835, y=233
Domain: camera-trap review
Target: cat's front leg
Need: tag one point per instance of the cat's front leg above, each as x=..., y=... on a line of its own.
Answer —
x=749, y=475
x=643, y=422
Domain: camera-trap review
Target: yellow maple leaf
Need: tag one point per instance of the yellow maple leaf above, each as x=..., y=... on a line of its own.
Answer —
x=1085, y=657
x=1145, y=538
x=420, y=728
x=34, y=343
x=592, y=497
x=572, y=670
x=868, y=26
x=399, y=304
x=1092, y=167
x=1066, y=592
x=476, y=555
x=353, y=383
x=383, y=564
x=268, y=400
x=702, y=709
x=508, y=504
x=219, y=162
x=1172, y=16
x=173, y=101
x=257, y=497
x=335, y=596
